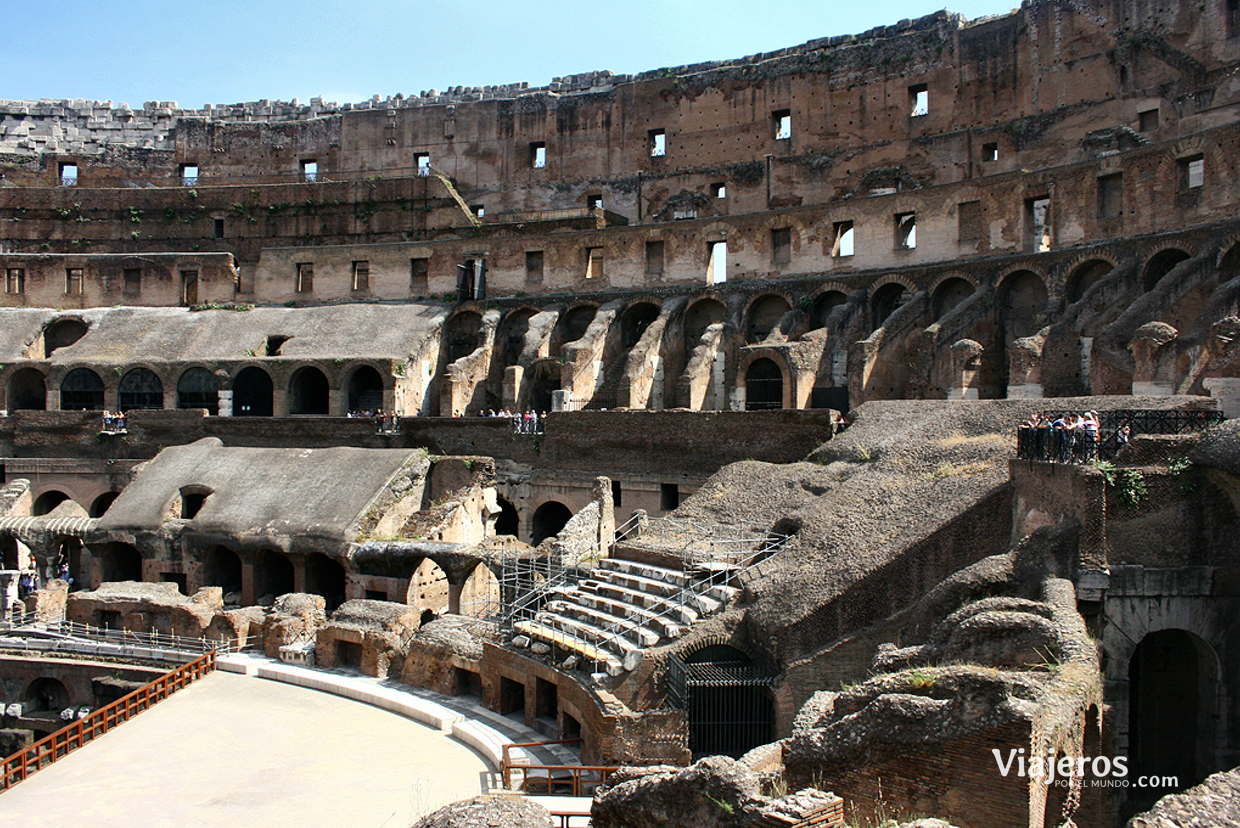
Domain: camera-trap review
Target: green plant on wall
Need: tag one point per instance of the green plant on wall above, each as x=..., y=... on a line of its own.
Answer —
x=1129, y=484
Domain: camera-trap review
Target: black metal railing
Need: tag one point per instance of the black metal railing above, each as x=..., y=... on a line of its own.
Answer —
x=1115, y=429
x=728, y=704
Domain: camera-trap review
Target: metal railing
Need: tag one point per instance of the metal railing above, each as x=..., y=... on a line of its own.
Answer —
x=70, y=635
x=1116, y=429
x=556, y=780
x=60, y=744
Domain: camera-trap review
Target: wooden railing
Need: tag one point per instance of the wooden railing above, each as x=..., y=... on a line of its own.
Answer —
x=561, y=780
x=68, y=739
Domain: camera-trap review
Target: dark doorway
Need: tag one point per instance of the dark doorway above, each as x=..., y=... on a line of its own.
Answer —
x=548, y=520
x=765, y=316
x=101, y=504
x=886, y=301
x=325, y=577
x=221, y=567
x=468, y=682
x=8, y=553
x=764, y=385
x=140, y=389
x=47, y=502
x=508, y=522
x=365, y=390
x=27, y=391
x=308, y=392
x=349, y=654
x=635, y=322
x=81, y=390
x=511, y=698
x=198, y=388
x=119, y=562
x=252, y=393
x=47, y=695
x=824, y=304
x=1022, y=304
x=273, y=575
x=727, y=699
x=950, y=293
x=1159, y=266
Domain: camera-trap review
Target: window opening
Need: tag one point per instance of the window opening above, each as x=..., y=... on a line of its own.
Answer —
x=781, y=245
x=654, y=257
x=478, y=210
x=305, y=277
x=990, y=152
x=1147, y=121
x=1192, y=173
x=219, y=228
x=133, y=282
x=717, y=271
x=533, y=267
x=919, y=100
x=422, y=160
x=906, y=231
x=594, y=201
x=594, y=263
x=275, y=344
x=68, y=175
x=842, y=247
x=1037, y=213
x=669, y=496
x=361, y=275
x=189, y=175
x=719, y=190
x=73, y=281
x=783, y=124
x=538, y=155
x=310, y=170
x=658, y=143
x=15, y=281
x=1110, y=196
x=189, y=287
x=419, y=276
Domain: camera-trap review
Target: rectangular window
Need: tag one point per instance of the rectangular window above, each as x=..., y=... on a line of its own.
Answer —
x=68, y=175
x=783, y=124
x=658, y=143
x=533, y=267
x=310, y=170
x=594, y=263
x=1110, y=196
x=361, y=275
x=133, y=282
x=219, y=228
x=478, y=210
x=654, y=257
x=419, y=277
x=918, y=100
x=73, y=281
x=422, y=161
x=16, y=281
x=781, y=245
x=1147, y=121
x=594, y=201
x=616, y=493
x=969, y=221
x=1192, y=172
x=1037, y=220
x=669, y=496
x=990, y=152
x=906, y=231
x=189, y=288
x=717, y=269
x=719, y=190
x=189, y=175
x=305, y=277
x=842, y=246
x=538, y=155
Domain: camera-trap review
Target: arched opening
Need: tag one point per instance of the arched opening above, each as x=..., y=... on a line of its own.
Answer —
x=119, y=562
x=573, y=326
x=549, y=519
x=99, y=507
x=1086, y=276
x=886, y=301
x=81, y=390
x=764, y=385
x=516, y=326
x=1172, y=716
x=70, y=554
x=480, y=593
x=700, y=316
x=47, y=695
x=1159, y=266
x=308, y=392
x=508, y=522
x=140, y=389
x=464, y=331
x=826, y=302
x=273, y=576
x=1022, y=303
x=727, y=700
x=764, y=316
x=198, y=388
x=428, y=588
x=252, y=393
x=365, y=390
x=221, y=567
x=45, y=503
x=27, y=391
x=9, y=558
x=949, y=293
x=545, y=382
x=325, y=577
x=635, y=321
x=61, y=334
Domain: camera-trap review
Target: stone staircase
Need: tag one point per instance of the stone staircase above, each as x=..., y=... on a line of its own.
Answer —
x=624, y=608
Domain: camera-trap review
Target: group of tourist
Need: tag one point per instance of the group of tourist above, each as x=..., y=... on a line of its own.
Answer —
x=114, y=421
x=531, y=422
x=1064, y=438
x=386, y=422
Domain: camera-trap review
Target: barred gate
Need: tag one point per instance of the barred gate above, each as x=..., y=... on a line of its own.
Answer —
x=727, y=702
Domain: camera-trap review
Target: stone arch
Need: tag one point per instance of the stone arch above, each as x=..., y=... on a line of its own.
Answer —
x=1173, y=678
x=309, y=391
x=509, y=520
x=548, y=519
x=1159, y=265
x=637, y=317
x=47, y=694
x=81, y=390
x=100, y=505
x=1022, y=303
x=462, y=334
x=253, y=393
x=364, y=390
x=480, y=592
x=221, y=567
x=765, y=385
x=428, y=587
x=62, y=333
x=198, y=388
x=731, y=714
x=949, y=293
x=825, y=302
x=119, y=562
x=140, y=389
x=699, y=316
x=763, y=315
x=47, y=502
x=69, y=551
x=325, y=576
x=9, y=558
x=27, y=390
x=885, y=300
x=273, y=574
x=573, y=325
x=1084, y=276
x=516, y=325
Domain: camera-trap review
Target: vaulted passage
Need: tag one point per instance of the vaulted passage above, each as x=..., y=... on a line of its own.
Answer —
x=81, y=390
x=45, y=503
x=325, y=577
x=273, y=575
x=27, y=391
x=726, y=698
x=252, y=393
x=308, y=392
x=140, y=388
x=764, y=386
x=119, y=562
x=365, y=390
x=508, y=522
x=548, y=520
x=198, y=388
x=221, y=567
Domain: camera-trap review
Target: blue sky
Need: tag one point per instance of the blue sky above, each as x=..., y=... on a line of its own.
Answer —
x=227, y=51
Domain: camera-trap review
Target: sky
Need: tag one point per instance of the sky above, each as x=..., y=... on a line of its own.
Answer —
x=230, y=51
